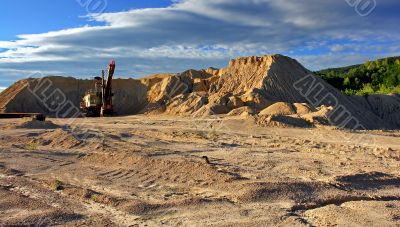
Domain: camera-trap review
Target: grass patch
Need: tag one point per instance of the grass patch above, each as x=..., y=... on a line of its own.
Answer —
x=95, y=198
x=57, y=185
x=33, y=145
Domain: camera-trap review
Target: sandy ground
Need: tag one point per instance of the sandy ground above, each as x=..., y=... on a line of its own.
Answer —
x=141, y=170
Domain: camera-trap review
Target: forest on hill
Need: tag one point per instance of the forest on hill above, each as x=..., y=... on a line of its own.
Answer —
x=380, y=76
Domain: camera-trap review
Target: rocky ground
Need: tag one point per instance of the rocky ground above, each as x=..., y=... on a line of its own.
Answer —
x=217, y=171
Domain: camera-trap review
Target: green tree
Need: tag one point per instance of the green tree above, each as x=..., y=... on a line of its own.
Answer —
x=379, y=76
x=346, y=82
x=366, y=90
x=391, y=80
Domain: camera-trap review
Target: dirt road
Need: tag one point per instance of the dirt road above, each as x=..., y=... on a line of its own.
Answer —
x=142, y=170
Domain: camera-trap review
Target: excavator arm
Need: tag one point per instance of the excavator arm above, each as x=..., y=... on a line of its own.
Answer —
x=107, y=107
x=102, y=95
x=108, y=87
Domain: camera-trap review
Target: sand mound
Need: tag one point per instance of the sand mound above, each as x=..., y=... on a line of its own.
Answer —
x=361, y=212
x=171, y=86
x=279, y=108
x=291, y=191
x=60, y=96
x=59, y=138
x=244, y=74
x=303, y=108
x=138, y=207
x=282, y=121
x=255, y=98
x=283, y=108
x=186, y=104
x=234, y=102
x=35, y=124
x=211, y=109
x=9, y=94
x=173, y=168
x=168, y=88
x=242, y=111
x=319, y=117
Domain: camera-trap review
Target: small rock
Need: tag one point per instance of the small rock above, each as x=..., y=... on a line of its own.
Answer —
x=206, y=159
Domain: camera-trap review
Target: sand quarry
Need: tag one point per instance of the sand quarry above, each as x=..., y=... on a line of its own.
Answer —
x=260, y=142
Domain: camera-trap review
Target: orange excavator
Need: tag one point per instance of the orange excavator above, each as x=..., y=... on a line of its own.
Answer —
x=98, y=102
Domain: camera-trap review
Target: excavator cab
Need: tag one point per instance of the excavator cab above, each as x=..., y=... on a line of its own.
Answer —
x=98, y=102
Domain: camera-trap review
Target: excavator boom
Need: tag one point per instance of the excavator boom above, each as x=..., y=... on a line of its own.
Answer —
x=107, y=105
x=108, y=88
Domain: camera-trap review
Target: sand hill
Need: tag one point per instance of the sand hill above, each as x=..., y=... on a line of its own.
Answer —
x=272, y=88
x=47, y=94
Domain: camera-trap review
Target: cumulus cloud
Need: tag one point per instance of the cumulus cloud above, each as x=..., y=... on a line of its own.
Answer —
x=198, y=34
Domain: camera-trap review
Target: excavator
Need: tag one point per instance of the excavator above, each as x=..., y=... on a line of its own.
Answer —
x=98, y=102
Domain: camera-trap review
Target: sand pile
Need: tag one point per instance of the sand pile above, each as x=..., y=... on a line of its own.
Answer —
x=170, y=86
x=279, y=108
x=186, y=104
x=60, y=96
x=177, y=169
x=288, y=191
x=9, y=94
x=242, y=111
x=272, y=85
x=59, y=138
x=320, y=117
x=303, y=108
x=283, y=121
x=294, y=115
x=34, y=124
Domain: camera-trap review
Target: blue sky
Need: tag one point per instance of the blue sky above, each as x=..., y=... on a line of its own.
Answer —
x=39, y=16
x=78, y=37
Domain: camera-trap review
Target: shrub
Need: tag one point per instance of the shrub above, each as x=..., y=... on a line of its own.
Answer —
x=32, y=145
x=57, y=185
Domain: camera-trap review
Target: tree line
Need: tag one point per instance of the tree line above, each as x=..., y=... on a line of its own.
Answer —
x=373, y=77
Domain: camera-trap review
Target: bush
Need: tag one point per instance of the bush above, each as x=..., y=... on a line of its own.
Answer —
x=32, y=145
x=57, y=185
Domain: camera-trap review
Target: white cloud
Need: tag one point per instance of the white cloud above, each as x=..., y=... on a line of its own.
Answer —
x=197, y=34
